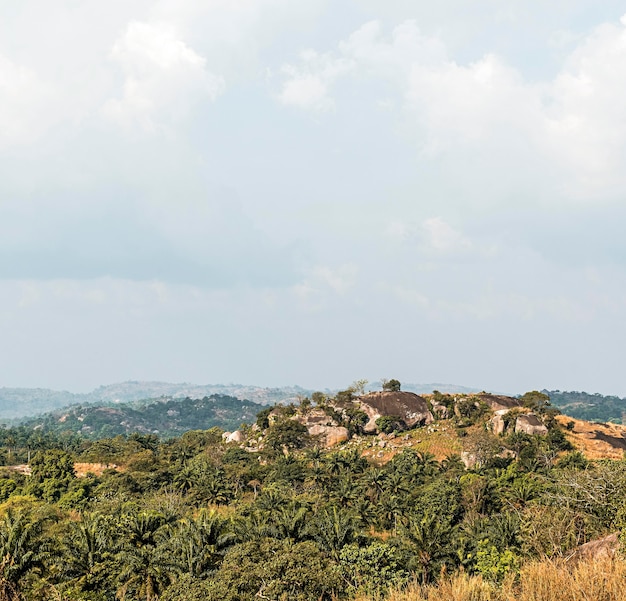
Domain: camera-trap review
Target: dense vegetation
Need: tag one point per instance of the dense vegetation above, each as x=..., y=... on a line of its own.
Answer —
x=590, y=407
x=194, y=518
x=166, y=417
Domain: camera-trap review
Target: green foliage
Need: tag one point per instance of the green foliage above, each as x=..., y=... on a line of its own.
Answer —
x=590, y=407
x=390, y=423
x=274, y=569
x=494, y=565
x=536, y=401
x=304, y=524
x=391, y=385
x=373, y=568
x=287, y=433
x=171, y=417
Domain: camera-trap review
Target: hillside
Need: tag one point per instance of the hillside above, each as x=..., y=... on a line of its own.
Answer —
x=165, y=417
x=589, y=407
x=333, y=498
x=17, y=403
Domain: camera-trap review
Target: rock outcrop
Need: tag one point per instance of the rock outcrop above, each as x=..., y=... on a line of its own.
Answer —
x=595, y=549
x=236, y=436
x=530, y=424
x=441, y=411
x=315, y=417
x=329, y=436
x=498, y=425
x=497, y=402
x=409, y=407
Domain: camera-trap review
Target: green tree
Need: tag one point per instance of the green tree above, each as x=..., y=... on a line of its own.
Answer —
x=391, y=385
x=287, y=433
x=86, y=558
x=200, y=543
x=273, y=569
x=23, y=552
x=147, y=567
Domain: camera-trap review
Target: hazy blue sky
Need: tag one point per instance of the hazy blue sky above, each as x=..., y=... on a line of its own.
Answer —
x=314, y=191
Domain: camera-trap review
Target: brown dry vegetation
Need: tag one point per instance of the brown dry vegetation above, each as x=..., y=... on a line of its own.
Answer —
x=596, y=441
x=602, y=579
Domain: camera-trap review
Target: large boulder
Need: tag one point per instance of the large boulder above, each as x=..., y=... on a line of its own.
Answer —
x=596, y=549
x=315, y=417
x=498, y=402
x=530, y=424
x=498, y=424
x=236, y=436
x=329, y=435
x=407, y=406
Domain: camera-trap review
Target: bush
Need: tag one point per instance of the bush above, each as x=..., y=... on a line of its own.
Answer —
x=390, y=423
x=373, y=568
x=274, y=569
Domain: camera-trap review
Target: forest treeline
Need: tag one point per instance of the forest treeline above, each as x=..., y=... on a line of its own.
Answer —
x=195, y=518
x=167, y=417
x=590, y=407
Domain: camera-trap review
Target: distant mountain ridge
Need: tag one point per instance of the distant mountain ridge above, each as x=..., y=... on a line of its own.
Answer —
x=16, y=403
x=165, y=417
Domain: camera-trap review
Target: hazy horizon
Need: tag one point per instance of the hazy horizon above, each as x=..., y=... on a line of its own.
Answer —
x=312, y=193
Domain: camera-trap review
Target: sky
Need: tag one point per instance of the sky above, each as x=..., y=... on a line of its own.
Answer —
x=274, y=192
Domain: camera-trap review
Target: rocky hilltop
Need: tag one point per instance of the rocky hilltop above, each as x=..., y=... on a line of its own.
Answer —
x=395, y=418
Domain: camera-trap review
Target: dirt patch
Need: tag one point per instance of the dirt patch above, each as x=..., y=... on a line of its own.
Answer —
x=82, y=469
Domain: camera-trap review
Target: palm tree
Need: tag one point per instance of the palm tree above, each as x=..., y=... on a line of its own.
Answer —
x=345, y=492
x=254, y=526
x=289, y=523
x=22, y=552
x=334, y=528
x=200, y=543
x=147, y=564
x=85, y=553
x=375, y=481
x=429, y=535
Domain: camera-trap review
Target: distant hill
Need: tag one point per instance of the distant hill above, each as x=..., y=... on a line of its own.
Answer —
x=18, y=403
x=428, y=388
x=165, y=417
x=589, y=407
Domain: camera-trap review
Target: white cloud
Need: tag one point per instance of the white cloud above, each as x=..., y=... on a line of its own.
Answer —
x=164, y=77
x=307, y=86
x=569, y=133
x=323, y=283
x=25, y=104
x=441, y=237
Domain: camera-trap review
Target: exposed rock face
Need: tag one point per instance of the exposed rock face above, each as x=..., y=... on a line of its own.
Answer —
x=530, y=424
x=468, y=459
x=595, y=549
x=409, y=407
x=498, y=402
x=497, y=423
x=235, y=436
x=441, y=411
x=315, y=417
x=329, y=435
x=321, y=425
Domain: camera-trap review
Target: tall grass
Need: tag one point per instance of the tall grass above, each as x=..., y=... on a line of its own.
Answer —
x=602, y=579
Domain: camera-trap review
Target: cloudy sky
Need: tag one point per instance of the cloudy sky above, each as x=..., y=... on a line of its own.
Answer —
x=275, y=192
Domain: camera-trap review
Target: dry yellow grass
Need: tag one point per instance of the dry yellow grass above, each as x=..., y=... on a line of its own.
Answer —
x=440, y=440
x=601, y=579
x=584, y=438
